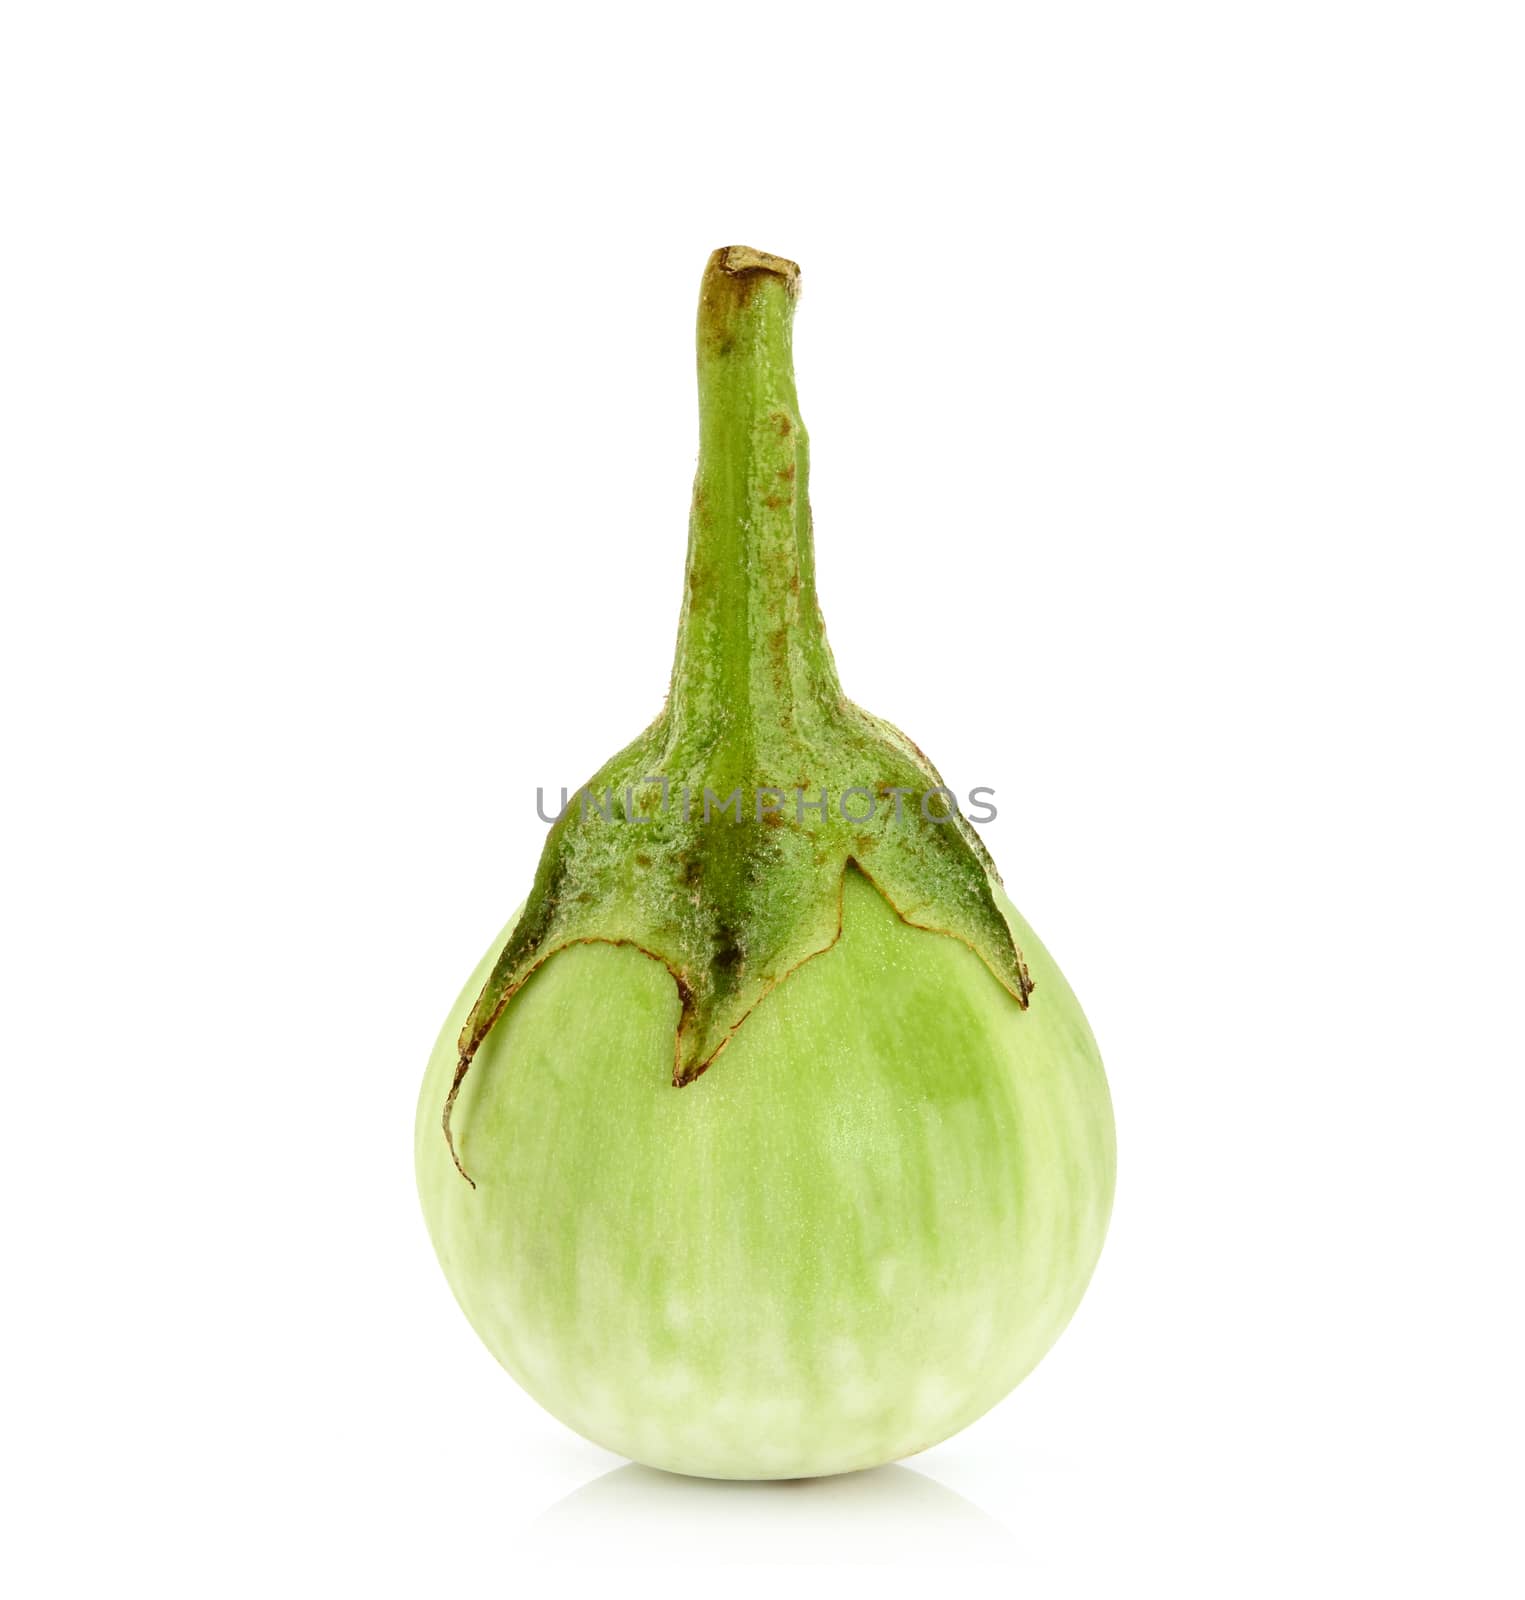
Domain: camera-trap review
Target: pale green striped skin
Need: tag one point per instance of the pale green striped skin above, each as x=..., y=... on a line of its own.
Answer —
x=852, y=1236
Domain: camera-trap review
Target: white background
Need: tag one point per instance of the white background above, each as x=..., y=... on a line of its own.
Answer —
x=1163, y=366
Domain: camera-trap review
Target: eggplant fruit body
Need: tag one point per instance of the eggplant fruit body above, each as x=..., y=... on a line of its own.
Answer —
x=857, y=1231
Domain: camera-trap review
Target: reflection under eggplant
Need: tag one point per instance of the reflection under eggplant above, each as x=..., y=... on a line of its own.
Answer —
x=889, y=1514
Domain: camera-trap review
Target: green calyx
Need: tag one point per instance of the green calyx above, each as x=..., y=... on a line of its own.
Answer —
x=706, y=843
